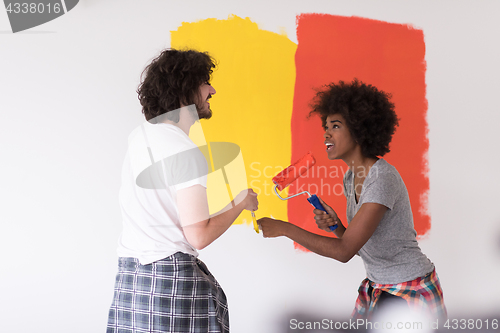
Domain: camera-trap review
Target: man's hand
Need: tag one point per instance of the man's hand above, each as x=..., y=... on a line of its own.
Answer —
x=249, y=200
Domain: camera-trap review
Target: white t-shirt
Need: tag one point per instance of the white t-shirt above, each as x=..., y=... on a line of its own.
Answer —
x=161, y=160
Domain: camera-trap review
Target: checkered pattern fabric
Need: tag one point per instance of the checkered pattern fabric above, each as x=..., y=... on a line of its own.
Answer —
x=421, y=294
x=176, y=294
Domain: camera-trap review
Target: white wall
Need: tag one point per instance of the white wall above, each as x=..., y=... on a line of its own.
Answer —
x=68, y=103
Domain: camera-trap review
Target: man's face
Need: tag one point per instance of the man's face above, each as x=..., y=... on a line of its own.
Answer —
x=205, y=93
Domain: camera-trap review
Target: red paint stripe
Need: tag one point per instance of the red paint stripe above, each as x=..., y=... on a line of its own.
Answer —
x=389, y=56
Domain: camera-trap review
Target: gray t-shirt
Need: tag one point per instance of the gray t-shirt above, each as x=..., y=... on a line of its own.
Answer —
x=392, y=254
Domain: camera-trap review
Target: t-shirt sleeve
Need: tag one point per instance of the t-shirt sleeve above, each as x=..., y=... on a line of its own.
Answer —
x=186, y=169
x=382, y=189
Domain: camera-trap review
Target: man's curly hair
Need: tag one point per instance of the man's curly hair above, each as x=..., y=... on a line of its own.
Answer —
x=369, y=114
x=171, y=79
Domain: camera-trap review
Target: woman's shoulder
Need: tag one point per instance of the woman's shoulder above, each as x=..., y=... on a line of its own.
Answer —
x=382, y=170
x=383, y=167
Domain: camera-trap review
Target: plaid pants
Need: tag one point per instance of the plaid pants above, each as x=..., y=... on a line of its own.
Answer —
x=176, y=294
x=422, y=294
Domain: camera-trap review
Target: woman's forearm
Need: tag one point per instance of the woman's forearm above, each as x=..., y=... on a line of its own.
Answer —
x=339, y=232
x=325, y=246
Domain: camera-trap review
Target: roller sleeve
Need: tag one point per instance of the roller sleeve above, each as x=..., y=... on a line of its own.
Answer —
x=294, y=171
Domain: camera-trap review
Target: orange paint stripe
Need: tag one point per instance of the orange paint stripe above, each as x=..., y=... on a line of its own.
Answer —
x=389, y=56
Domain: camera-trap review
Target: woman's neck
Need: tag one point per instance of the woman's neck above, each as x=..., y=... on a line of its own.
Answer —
x=360, y=166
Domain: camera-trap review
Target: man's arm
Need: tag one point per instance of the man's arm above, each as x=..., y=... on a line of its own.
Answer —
x=199, y=228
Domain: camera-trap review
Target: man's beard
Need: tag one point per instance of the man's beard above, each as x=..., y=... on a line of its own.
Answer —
x=203, y=112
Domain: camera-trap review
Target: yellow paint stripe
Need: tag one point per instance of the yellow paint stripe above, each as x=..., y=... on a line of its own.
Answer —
x=252, y=108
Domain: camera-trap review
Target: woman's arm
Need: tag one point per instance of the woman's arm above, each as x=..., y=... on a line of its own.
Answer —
x=360, y=229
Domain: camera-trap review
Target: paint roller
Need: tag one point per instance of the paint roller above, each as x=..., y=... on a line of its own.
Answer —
x=290, y=174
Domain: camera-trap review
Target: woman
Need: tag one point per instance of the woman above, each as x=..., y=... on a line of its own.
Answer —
x=359, y=121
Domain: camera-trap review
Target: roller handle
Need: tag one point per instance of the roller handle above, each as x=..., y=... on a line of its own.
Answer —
x=313, y=200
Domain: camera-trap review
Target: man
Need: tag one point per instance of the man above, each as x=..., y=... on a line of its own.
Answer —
x=161, y=285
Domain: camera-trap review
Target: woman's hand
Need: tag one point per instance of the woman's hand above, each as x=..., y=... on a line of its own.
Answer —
x=325, y=219
x=271, y=227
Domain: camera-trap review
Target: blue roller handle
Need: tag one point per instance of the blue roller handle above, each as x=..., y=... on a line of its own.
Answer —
x=313, y=200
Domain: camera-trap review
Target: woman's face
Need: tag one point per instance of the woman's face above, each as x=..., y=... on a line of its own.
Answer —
x=338, y=140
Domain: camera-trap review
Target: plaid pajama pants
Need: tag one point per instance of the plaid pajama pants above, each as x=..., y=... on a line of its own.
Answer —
x=176, y=295
x=422, y=294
